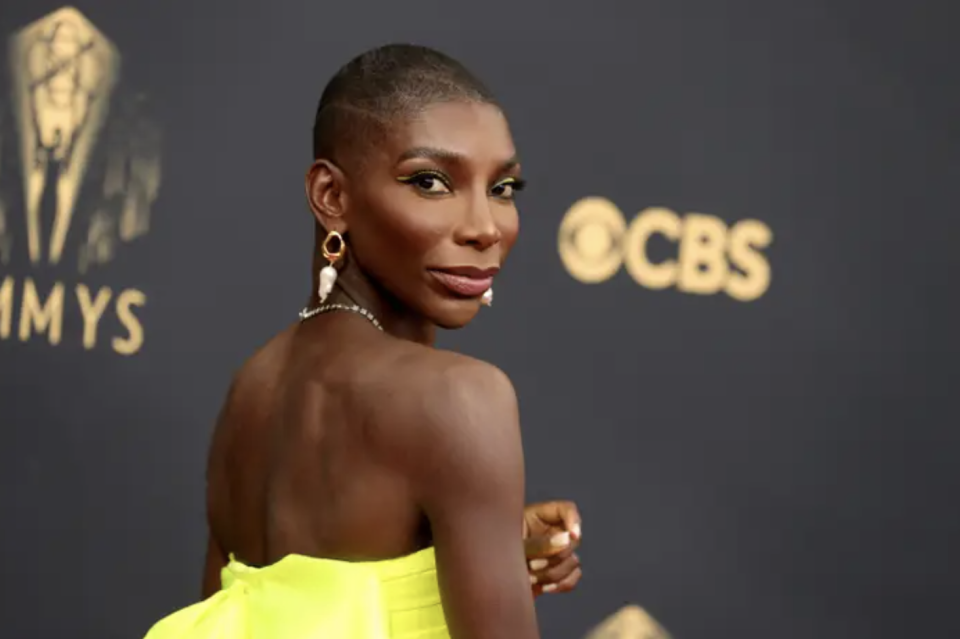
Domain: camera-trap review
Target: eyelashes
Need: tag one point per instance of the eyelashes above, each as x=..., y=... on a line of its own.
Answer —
x=514, y=184
x=433, y=183
x=426, y=181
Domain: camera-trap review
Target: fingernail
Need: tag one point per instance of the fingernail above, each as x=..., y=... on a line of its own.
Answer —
x=538, y=564
x=560, y=540
x=550, y=587
x=533, y=579
x=575, y=530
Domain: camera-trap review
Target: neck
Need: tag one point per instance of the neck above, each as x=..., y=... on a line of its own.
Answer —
x=354, y=287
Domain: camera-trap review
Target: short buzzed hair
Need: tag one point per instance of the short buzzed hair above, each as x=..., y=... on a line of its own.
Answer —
x=371, y=91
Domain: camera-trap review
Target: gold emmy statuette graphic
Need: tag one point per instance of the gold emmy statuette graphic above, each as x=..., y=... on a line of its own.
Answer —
x=66, y=105
x=595, y=240
x=130, y=186
x=630, y=622
x=6, y=240
x=64, y=74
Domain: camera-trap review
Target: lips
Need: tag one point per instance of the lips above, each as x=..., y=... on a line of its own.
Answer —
x=465, y=281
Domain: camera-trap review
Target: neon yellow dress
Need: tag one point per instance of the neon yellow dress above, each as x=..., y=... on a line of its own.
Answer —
x=302, y=597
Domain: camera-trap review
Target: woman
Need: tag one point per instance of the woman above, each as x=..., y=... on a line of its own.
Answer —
x=377, y=481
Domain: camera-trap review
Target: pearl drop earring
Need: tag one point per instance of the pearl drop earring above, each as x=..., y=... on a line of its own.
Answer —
x=487, y=299
x=328, y=274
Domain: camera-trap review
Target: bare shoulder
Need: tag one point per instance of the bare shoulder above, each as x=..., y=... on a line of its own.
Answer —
x=259, y=375
x=436, y=386
x=255, y=377
x=439, y=403
x=454, y=380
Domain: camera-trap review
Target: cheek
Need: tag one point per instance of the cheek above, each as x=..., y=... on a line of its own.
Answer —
x=508, y=222
x=401, y=234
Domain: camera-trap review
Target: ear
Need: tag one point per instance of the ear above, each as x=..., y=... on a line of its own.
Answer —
x=326, y=195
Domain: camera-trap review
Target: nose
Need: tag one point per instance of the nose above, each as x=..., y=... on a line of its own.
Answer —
x=479, y=227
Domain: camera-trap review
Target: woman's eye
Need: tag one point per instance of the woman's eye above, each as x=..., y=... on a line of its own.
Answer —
x=429, y=183
x=507, y=189
x=504, y=190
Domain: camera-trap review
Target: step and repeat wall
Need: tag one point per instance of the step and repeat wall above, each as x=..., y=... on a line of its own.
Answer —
x=731, y=316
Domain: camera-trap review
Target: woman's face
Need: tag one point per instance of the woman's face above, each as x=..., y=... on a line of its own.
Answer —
x=432, y=216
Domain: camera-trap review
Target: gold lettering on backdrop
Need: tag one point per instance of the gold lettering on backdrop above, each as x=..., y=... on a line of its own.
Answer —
x=41, y=317
x=92, y=311
x=132, y=343
x=595, y=240
x=649, y=275
x=38, y=314
x=6, y=307
x=746, y=240
x=703, y=255
x=70, y=116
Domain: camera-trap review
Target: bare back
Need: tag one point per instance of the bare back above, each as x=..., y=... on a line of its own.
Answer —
x=298, y=463
x=341, y=442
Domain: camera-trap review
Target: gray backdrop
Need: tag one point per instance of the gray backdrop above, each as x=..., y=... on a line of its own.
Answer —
x=777, y=467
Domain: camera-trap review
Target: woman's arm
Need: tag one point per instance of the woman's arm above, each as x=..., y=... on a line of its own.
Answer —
x=467, y=472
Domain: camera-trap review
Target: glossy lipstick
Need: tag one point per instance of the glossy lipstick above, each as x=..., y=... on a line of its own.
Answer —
x=465, y=281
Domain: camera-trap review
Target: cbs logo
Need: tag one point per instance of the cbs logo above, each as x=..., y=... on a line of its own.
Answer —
x=595, y=240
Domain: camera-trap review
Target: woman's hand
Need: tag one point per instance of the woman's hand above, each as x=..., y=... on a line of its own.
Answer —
x=551, y=532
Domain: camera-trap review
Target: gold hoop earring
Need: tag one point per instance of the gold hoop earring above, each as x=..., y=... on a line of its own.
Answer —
x=328, y=274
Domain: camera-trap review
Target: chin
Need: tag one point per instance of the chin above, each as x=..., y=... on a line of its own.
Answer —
x=454, y=314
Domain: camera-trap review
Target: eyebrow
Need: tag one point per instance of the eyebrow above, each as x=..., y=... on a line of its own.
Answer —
x=440, y=155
